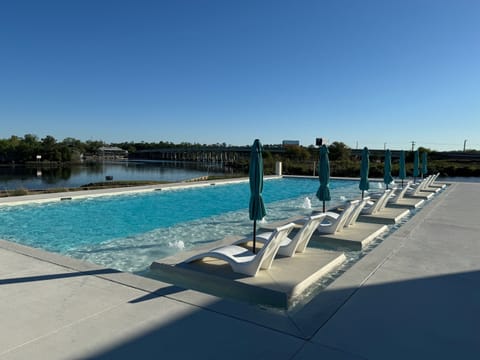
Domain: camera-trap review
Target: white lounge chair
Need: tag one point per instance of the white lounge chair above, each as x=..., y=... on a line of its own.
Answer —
x=372, y=208
x=352, y=218
x=398, y=194
x=334, y=222
x=422, y=189
x=289, y=246
x=434, y=185
x=244, y=261
x=421, y=182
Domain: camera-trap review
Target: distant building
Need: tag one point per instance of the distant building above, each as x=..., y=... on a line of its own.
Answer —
x=112, y=153
x=290, y=142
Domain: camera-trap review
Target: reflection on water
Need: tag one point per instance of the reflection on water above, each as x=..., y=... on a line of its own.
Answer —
x=19, y=177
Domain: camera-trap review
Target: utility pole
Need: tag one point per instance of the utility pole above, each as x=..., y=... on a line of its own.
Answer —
x=413, y=146
x=464, y=145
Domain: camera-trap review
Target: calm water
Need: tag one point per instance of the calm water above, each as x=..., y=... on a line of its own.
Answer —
x=32, y=178
x=128, y=232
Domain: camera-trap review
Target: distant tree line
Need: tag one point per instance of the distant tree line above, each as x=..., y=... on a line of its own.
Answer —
x=26, y=149
x=296, y=159
x=21, y=150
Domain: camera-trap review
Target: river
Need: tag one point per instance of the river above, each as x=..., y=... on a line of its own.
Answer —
x=36, y=178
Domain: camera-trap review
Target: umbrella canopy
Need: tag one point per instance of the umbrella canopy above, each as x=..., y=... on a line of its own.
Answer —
x=424, y=164
x=387, y=168
x=402, y=174
x=415, y=165
x=323, y=192
x=256, y=209
x=364, y=184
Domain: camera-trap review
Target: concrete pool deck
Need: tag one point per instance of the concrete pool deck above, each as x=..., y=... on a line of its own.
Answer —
x=415, y=296
x=80, y=194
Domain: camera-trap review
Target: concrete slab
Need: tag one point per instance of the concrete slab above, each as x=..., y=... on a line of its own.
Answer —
x=387, y=215
x=422, y=326
x=355, y=237
x=420, y=195
x=316, y=351
x=279, y=286
x=420, y=300
x=407, y=203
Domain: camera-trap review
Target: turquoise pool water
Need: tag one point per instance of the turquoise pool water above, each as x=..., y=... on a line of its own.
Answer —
x=128, y=232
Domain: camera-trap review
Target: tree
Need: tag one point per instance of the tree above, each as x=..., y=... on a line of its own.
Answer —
x=296, y=152
x=339, y=151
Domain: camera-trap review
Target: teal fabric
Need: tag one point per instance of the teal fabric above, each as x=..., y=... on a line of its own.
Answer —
x=387, y=168
x=365, y=165
x=402, y=174
x=256, y=207
x=415, y=164
x=424, y=163
x=323, y=192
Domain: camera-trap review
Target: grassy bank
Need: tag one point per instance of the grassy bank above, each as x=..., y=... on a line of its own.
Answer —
x=350, y=168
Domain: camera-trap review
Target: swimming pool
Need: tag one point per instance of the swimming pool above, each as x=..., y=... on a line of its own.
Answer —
x=128, y=232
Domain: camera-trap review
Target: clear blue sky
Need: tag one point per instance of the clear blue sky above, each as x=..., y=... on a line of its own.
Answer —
x=366, y=72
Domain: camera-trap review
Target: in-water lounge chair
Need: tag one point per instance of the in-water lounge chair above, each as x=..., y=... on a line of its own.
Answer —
x=400, y=200
x=398, y=194
x=289, y=246
x=436, y=185
x=421, y=190
x=353, y=233
x=334, y=222
x=352, y=218
x=373, y=207
x=244, y=261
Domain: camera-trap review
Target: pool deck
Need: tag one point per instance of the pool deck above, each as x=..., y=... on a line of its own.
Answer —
x=64, y=196
x=415, y=296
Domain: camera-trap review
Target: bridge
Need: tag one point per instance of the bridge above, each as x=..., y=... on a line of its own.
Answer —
x=223, y=154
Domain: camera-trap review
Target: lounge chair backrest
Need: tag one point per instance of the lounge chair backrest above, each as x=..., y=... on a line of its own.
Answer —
x=434, y=178
x=401, y=193
x=356, y=212
x=345, y=215
x=306, y=232
x=426, y=182
x=422, y=185
x=385, y=200
x=267, y=253
x=380, y=203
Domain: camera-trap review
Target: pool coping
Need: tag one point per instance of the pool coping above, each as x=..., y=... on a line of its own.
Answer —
x=82, y=194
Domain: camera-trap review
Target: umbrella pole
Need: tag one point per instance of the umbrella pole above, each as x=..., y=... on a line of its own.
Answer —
x=254, y=234
x=362, y=193
x=323, y=206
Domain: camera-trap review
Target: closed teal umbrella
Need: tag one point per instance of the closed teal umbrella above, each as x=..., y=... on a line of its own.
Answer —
x=323, y=193
x=387, y=168
x=415, y=165
x=256, y=208
x=402, y=174
x=424, y=164
x=364, y=184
